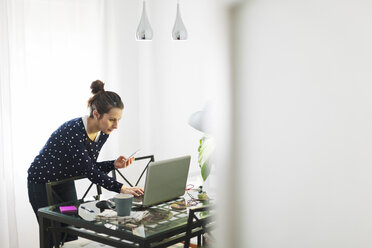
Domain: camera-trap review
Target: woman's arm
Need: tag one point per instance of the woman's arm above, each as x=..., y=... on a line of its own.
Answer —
x=106, y=166
x=92, y=170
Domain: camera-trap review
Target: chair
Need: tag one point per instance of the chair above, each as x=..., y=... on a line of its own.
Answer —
x=206, y=225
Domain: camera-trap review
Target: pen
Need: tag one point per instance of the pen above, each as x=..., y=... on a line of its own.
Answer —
x=87, y=209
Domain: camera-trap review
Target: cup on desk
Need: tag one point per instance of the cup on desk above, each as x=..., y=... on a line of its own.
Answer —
x=123, y=203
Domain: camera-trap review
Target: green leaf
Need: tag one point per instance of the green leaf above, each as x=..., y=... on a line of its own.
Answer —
x=205, y=170
x=205, y=150
x=201, y=144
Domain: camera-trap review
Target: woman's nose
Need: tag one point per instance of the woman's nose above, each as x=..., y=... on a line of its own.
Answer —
x=115, y=125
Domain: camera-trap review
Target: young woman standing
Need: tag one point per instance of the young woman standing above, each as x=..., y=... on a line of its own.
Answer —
x=72, y=150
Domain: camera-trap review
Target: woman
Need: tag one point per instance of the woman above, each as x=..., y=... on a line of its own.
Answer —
x=72, y=150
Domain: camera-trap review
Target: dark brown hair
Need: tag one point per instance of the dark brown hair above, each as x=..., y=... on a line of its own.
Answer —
x=103, y=101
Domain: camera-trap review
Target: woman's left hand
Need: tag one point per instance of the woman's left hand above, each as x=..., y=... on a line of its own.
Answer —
x=119, y=162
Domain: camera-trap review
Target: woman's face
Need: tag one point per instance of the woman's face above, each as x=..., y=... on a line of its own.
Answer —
x=109, y=121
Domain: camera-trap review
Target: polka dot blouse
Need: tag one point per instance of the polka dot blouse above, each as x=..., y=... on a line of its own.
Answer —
x=69, y=153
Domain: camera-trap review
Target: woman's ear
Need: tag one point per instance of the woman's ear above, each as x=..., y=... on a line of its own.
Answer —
x=96, y=114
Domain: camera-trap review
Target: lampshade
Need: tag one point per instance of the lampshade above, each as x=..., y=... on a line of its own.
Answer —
x=144, y=30
x=197, y=121
x=179, y=30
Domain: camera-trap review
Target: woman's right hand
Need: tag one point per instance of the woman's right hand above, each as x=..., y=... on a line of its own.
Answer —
x=136, y=191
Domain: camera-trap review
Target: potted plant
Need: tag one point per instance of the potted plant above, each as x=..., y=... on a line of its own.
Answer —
x=206, y=147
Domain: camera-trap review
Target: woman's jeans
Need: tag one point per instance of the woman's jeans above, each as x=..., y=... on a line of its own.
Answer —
x=38, y=198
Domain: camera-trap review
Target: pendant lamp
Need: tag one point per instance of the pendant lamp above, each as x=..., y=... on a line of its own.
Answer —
x=144, y=30
x=179, y=30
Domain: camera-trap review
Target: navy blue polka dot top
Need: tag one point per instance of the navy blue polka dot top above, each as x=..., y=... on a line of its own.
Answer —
x=68, y=153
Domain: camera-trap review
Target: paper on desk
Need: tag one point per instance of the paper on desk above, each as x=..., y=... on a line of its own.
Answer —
x=88, y=210
x=134, y=217
x=139, y=231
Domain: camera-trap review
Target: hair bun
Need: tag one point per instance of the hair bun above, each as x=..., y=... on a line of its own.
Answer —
x=97, y=86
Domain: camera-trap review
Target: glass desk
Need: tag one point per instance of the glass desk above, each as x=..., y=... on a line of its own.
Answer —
x=163, y=227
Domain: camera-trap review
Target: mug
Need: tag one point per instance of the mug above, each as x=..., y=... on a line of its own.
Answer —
x=123, y=203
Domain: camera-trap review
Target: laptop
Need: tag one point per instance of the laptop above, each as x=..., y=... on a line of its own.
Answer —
x=165, y=180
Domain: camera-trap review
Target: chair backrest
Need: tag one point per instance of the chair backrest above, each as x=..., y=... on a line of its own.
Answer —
x=201, y=220
x=152, y=159
x=52, y=195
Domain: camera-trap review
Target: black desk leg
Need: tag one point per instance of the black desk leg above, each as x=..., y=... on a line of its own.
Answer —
x=144, y=245
x=44, y=224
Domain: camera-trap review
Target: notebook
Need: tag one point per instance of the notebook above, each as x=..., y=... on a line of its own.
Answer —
x=165, y=180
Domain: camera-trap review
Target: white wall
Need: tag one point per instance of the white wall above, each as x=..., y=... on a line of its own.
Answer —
x=303, y=136
x=170, y=79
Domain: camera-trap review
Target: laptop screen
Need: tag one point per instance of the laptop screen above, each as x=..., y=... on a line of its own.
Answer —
x=166, y=180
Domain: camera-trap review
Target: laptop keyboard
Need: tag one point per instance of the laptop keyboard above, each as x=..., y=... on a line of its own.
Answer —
x=138, y=199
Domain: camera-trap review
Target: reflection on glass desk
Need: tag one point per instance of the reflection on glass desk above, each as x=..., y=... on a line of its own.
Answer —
x=163, y=226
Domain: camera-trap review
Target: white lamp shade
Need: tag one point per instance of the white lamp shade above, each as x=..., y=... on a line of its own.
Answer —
x=196, y=120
